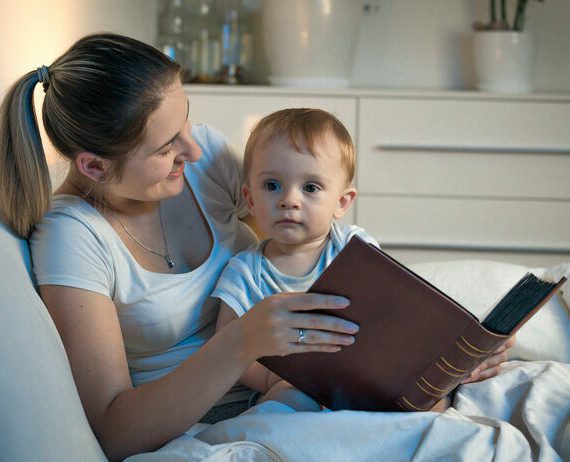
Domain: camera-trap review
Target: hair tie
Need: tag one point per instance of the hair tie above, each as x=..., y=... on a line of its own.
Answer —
x=43, y=76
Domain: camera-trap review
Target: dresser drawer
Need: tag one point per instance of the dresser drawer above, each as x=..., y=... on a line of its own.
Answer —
x=464, y=148
x=451, y=223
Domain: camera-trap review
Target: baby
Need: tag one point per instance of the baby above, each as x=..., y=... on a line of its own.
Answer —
x=298, y=167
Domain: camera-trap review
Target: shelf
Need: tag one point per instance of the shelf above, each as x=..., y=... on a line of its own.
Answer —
x=357, y=92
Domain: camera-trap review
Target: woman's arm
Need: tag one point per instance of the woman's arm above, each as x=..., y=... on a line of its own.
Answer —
x=129, y=420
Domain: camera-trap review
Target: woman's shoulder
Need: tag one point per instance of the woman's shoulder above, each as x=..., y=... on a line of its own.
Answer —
x=71, y=247
x=68, y=219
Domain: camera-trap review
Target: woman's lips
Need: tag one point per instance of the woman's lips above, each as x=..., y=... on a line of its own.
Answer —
x=176, y=173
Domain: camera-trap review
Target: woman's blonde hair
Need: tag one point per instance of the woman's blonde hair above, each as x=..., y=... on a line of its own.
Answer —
x=303, y=128
x=98, y=98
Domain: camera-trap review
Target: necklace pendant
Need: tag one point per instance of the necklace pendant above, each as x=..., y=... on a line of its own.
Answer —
x=169, y=261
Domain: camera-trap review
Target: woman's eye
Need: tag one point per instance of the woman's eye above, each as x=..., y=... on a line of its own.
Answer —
x=168, y=151
x=311, y=188
x=272, y=186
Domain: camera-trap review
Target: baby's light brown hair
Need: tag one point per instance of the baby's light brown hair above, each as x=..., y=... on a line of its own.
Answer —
x=303, y=128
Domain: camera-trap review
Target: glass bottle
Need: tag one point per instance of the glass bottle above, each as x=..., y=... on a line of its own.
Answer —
x=202, y=30
x=171, y=39
x=237, y=43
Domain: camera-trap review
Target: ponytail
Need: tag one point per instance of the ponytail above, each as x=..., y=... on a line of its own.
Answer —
x=25, y=186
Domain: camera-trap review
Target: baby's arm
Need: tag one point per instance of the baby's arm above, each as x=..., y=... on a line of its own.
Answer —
x=259, y=378
x=256, y=376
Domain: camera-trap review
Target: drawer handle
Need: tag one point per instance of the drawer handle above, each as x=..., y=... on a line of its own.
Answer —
x=425, y=147
x=474, y=246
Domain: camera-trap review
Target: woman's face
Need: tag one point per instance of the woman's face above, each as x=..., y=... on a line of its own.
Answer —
x=155, y=171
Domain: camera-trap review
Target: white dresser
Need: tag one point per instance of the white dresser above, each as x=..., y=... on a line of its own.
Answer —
x=440, y=175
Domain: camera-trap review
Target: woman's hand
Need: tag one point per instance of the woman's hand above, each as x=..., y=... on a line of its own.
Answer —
x=283, y=324
x=492, y=366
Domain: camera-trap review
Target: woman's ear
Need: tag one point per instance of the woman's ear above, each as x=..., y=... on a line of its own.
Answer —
x=92, y=166
x=345, y=202
x=248, y=198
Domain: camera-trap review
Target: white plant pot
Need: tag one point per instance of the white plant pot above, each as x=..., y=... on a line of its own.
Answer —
x=504, y=61
x=310, y=43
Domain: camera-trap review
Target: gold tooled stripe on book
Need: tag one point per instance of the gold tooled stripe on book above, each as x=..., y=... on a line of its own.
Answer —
x=435, y=388
x=475, y=348
x=412, y=406
x=401, y=405
x=437, y=395
x=449, y=373
x=468, y=352
x=450, y=366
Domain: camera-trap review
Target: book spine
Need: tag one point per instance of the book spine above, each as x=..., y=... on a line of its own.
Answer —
x=470, y=349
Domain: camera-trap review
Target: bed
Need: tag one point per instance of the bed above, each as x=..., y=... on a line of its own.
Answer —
x=523, y=414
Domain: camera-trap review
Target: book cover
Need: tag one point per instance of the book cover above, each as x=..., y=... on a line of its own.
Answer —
x=415, y=343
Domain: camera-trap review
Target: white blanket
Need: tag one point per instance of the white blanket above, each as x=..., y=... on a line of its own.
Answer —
x=521, y=415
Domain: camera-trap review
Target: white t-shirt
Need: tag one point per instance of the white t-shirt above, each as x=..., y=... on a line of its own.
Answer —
x=164, y=318
x=250, y=277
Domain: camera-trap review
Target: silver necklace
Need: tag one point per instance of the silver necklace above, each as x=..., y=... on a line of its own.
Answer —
x=166, y=256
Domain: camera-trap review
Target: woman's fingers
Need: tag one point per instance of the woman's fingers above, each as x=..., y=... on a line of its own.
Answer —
x=491, y=366
x=322, y=322
x=510, y=342
x=274, y=326
x=294, y=301
x=318, y=337
x=481, y=374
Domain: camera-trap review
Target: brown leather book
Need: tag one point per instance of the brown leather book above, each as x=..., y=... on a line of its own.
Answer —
x=415, y=343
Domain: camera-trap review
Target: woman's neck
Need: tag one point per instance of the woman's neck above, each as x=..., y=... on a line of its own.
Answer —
x=295, y=259
x=78, y=185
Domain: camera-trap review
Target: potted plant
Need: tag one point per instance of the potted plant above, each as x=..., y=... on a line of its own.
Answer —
x=504, y=51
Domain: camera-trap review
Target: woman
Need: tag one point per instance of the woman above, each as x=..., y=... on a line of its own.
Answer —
x=128, y=252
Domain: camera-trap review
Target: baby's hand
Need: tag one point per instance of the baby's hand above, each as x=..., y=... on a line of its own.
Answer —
x=287, y=394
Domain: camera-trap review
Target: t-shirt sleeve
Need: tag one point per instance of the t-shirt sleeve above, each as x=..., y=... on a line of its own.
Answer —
x=352, y=230
x=65, y=251
x=227, y=168
x=236, y=285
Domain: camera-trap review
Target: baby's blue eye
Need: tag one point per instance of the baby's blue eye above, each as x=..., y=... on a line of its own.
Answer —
x=311, y=188
x=272, y=185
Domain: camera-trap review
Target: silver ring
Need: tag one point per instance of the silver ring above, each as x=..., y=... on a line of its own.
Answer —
x=301, y=338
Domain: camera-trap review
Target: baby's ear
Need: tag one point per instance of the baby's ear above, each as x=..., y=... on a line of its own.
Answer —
x=345, y=201
x=248, y=198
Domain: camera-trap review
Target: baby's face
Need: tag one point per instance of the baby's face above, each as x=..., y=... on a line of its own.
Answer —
x=295, y=196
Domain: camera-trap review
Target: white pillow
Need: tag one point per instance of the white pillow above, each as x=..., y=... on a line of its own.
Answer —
x=41, y=417
x=478, y=284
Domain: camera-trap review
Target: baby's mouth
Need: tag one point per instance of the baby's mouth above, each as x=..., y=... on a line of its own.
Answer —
x=288, y=221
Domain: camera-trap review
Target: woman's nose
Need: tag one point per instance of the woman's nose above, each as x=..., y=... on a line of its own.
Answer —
x=192, y=150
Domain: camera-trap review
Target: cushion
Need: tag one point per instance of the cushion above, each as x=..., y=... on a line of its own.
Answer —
x=478, y=284
x=42, y=417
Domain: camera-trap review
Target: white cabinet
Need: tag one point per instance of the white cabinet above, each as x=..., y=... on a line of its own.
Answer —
x=453, y=173
x=440, y=175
